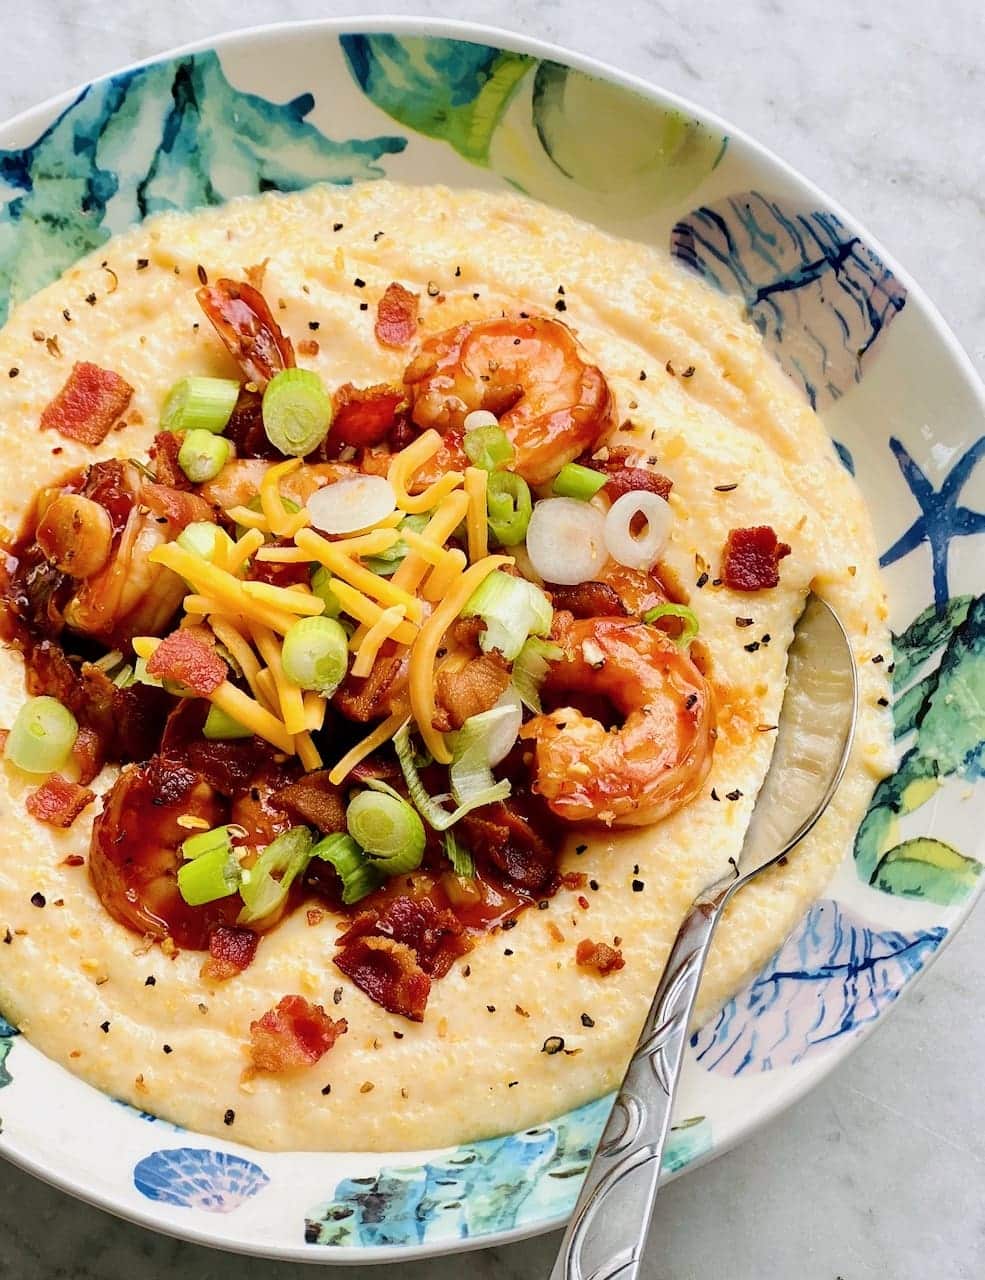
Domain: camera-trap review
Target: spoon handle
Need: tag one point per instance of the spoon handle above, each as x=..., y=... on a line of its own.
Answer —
x=607, y=1232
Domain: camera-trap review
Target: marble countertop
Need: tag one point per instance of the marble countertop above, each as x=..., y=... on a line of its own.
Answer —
x=874, y=1174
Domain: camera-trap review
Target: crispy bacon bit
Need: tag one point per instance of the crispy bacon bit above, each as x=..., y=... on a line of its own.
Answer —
x=588, y=600
x=176, y=506
x=507, y=837
x=599, y=956
x=388, y=973
x=372, y=698
x=164, y=456
x=315, y=800
x=436, y=937
x=295, y=1034
x=751, y=559
x=245, y=428
x=187, y=657
x=58, y=802
x=87, y=754
x=4, y=735
x=231, y=950
x=88, y=405
x=619, y=464
x=243, y=320
x=365, y=416
x=396, y=316
x=472, y=690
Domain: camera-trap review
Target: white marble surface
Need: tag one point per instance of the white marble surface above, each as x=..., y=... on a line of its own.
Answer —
x=879, y=1173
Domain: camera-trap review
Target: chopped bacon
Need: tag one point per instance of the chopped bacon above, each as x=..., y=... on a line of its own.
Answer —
x=465, y=633
x=231, y=950
x=245, y=428
x=87, y=754
x=315, y=800
x=245, y=323
x=436, y=937
x=396, y=316
x=507, y=837
x=473, y=689
x=587, y=600
x=599, y=956
x=58, y=802
x=387, y=972
x=176, y=506
x=365, y=416
x=625, y=476
x=88, y=405
x=187, y=657
x=372, y=698
x=295, y=1034
x=164, y=456
x=751, y=559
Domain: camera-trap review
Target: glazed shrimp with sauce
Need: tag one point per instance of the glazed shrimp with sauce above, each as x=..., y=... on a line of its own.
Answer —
x=659, y=757
x=530, y=373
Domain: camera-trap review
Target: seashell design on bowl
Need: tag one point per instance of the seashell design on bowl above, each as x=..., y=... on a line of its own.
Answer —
x=199, y=1178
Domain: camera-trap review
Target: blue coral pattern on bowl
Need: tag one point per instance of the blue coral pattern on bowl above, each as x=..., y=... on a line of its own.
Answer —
x=834, y=975
x=820, y=297
x=7, y=1033
x=481, y=1187
x=198, y=1178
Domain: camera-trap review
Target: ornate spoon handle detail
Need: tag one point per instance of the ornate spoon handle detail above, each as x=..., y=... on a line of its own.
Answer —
x=606, y=1235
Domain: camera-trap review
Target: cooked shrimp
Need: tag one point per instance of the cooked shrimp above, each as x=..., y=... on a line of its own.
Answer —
x=530, y=372
x=239, y=481
x=656, y=760
x=134, y=854
x=243, y=320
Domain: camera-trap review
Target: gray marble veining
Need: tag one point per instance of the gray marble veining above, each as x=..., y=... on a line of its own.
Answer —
x=879, y=1172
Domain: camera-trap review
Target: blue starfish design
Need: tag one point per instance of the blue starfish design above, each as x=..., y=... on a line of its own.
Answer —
x=941, y=517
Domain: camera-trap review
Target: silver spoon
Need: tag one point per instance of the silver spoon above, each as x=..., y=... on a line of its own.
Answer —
x=607, y=1232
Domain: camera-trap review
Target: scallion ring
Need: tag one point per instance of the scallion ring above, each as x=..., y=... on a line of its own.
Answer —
x=359, y=876
x=638, y=550
x=488, y=447
x=509, y=507
x=575, y=481
x=267, y=883
x=687, y=616
x=220, y=725
x=297, y=411
x=388, y=829
x=566, y=541
x=42, y=736
x=209, y=877
x=315, y=654
x=199, y=404
x=203, y=455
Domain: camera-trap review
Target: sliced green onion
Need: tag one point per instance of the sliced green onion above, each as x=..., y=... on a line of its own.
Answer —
x=389, y=830
x=220, y=725
x=530, y=670
x=476, y=749
x=430, y=810
x=316, y=654
x=462, y=862
x=297, y=411
x=512, y=609
x=200, y=538
x=687, y=616
x=206, y=841
x=321, y=586
x=509, y=506
x=203, y=455
x=359, y=876
x=199, y=404
x=389, y=561
x=142, y=676
x=574, y=481
x=210, y=876
x=42, y=736
x=488, y=448
x=267, y=883
x=124, y=677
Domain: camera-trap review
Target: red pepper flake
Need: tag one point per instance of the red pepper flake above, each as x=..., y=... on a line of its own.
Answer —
x=58, y=802
x=187, y=657
x=751, y=559
x=74, y=860
x=295, y=1034
x=88, y=405
x=598, y=956
x=396, y=316
x=582, y=902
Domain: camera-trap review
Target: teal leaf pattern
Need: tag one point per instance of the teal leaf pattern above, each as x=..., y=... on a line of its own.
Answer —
x=174, y=135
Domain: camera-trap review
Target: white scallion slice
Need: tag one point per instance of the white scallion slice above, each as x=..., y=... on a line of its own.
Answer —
x=267, y=883
x=430, y=810
x=512, y=609
x=566, y=541
x=530, y=670
x=483, y=741
x=643, y=550
x=352, y=504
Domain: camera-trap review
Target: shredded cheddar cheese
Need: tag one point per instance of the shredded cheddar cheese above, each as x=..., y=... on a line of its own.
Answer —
x=477, y=523
x=365, y=610
x=425, y=649
x=238, y=648
x=268, y=690
x=357, y=575
x=307, y=751
x=290, y=599
x=248, y=545
x=271, y=503
x=248, y=519
x=407, y=463
x=383, y=732
x=220, y=587
x=288, y=693
x=381, y=631
x=438, y=530
x=443, y=576
x=315, y=707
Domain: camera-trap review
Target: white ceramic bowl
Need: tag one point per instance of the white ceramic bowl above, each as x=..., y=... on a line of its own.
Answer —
x=458, y=104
